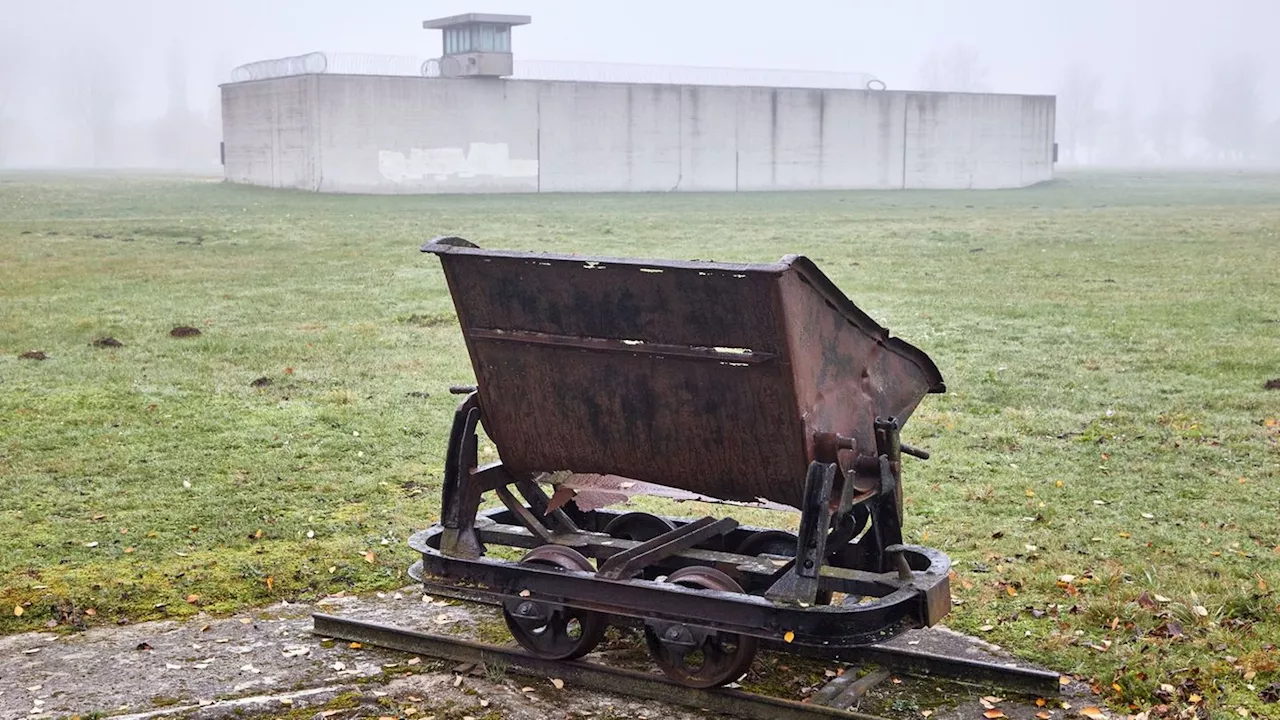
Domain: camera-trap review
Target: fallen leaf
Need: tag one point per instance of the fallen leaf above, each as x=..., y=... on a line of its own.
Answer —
x=1124, y=535
x=987, y=628
x=368, y=556
x=1043, y=715
x=1093, y=713
x=1200, y=610
x=355, y=646
x=270, y=580
x=288, y=371
x=558, y=683
x=414, y=661
x=1160, y=598
x=1030, y=492
x=993, y=699
x=17, y=611
x=186, y=484
x=558, y=499
x=1058, y=484
x=91, y=544
x=790, y=636
x=1063, y=680
x=1040, y=702
x=524, y=593
x=1193, y=698
x=1148, y=516
x=192, y=598
x=90, y=612
x=1066, y=578
x=128, y=550
x=1250, y=675
x=993, y=713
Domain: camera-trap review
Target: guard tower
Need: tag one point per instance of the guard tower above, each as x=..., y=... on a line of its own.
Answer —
x=475, y=45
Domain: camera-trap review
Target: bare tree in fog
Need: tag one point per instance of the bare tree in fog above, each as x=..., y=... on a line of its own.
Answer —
x=1166, y=127
x=180, y=133
x=1125, y=146
x=1079, y=118
x=91, y=93
x=959, y=69
x=1229, y=118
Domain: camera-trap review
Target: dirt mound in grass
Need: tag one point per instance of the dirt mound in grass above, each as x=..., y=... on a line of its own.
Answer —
x=261, y=382
x=183, y=331
x=107, y=342
x=33, y=355
x=1272, y=384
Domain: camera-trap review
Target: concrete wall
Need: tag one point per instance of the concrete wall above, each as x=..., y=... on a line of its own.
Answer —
x=269, y=132
x=343, y=133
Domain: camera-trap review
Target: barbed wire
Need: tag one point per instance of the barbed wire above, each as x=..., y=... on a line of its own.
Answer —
x=689, y=75
x=631, y=73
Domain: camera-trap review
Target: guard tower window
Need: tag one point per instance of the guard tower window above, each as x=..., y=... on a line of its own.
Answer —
x=486, y=38
x=502, y=38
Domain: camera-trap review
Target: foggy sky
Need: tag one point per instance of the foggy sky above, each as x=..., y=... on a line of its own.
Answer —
x=1138, y=48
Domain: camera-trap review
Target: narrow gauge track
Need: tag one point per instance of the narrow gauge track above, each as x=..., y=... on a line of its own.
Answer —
x=830, y=701
x=905, y=660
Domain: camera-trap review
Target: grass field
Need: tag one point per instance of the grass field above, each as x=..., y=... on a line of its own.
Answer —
x=1106, y=471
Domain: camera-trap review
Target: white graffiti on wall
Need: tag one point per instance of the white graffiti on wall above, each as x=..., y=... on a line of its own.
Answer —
x=441, y=164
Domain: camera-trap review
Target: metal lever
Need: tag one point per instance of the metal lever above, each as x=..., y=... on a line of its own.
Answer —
x=915, y=452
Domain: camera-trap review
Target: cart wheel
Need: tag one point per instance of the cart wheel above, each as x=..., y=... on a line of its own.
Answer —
x=698, y=657
x=771, y=542
x=638, y=526
x=551, y=631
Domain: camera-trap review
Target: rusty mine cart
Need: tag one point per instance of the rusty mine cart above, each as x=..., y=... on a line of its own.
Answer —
x=603, y=378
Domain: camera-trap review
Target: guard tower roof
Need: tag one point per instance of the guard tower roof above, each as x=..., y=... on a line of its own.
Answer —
x=471, y=18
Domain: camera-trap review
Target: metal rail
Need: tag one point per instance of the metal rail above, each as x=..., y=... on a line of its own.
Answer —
x=583, y=674
x=905, y=660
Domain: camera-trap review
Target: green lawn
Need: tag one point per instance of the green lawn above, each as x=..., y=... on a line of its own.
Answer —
x=1105, y=340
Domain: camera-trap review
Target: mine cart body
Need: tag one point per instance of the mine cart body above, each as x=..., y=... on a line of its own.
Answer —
x=710, y=377
x=738, y=382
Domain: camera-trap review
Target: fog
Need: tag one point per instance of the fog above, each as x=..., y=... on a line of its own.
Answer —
x=134, y=83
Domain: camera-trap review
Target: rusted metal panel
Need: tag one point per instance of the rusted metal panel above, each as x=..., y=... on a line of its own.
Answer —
x=847, y=369
x=709, y=377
